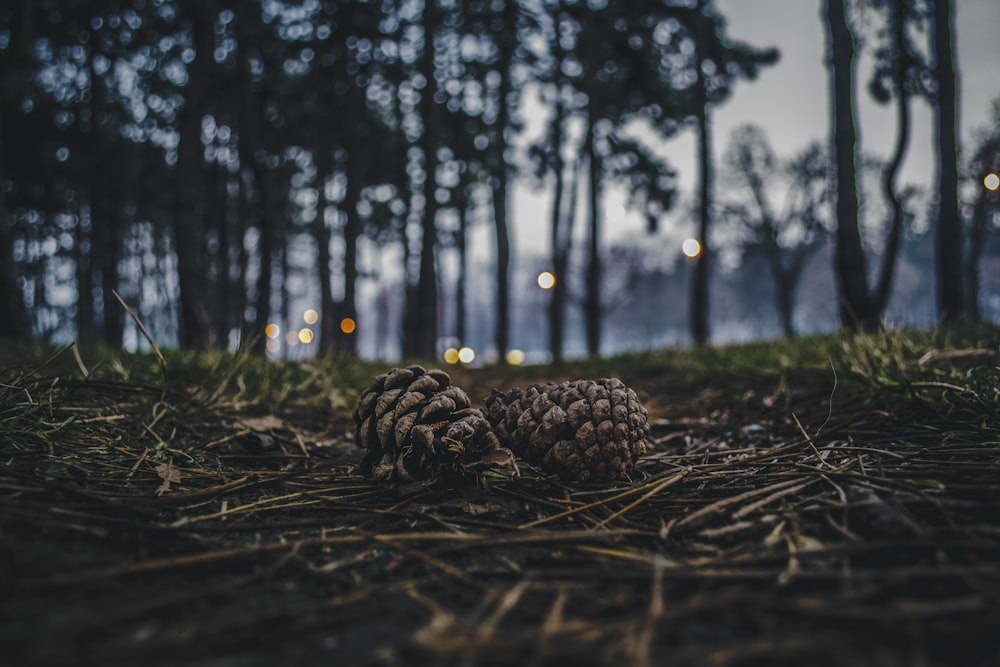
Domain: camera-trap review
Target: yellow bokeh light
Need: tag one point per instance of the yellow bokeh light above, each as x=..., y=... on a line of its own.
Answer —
x=691, y=248
x=451, y=355
x=305, y=336
x=515, y=357
x=310, y=316
x=272, y=330
x=348, y=325
x=272, y=345
x=291, y=339
x=466, y=355
x=546, y=280
x=992, y=182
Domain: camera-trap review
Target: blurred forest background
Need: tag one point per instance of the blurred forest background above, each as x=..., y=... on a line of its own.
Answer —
x=335, y=177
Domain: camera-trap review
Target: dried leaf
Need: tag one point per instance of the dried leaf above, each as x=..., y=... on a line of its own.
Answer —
x=169, y=474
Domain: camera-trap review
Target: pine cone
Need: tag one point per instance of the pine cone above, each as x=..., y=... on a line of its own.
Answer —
x=584, y=430
x=415, y=425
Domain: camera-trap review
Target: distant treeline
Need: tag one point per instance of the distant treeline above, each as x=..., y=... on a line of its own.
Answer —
x=207, y=160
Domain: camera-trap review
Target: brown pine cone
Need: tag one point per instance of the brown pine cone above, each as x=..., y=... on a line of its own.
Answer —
x=584, y=430
x=415, y=425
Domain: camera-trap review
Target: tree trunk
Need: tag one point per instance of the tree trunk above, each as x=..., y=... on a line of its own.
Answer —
x=15, y=323
x=83, y=246
x=108, y=243
x=195, y=324
x=948, y=255
x=557, y=301
x=507, y=43
x=352, y=232
x=252, y=151
x=700, y=331
x=699, y=286
x=223, y=260
x=426, y=315
x=977, y=237
x=328, y=326
x=784, y=286
x=901, y=65
x=266, y=255
x=849, y=259
x=461, y=244
x=592, y=306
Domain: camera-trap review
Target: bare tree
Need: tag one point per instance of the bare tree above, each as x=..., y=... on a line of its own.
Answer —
x=786, y=235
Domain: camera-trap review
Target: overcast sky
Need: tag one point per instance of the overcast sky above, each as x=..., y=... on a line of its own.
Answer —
x=790, y=101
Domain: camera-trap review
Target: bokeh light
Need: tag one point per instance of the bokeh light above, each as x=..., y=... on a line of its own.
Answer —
x=305, y=335
x=992, y=182
x=515, y=357
x=546, y=280
x=691, y=248
x=310, y=316
x=466, y=355
x=451, y=355
x=272, y=345
x=348, y=325
x=292, y=338
x=272, y=330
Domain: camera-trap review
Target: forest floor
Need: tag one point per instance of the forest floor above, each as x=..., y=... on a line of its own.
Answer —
x=827, y=501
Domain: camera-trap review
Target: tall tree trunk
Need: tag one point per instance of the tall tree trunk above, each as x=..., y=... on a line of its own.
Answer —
x=252, y=154
x=328, y=326
x=948, y=255
x=243, y=218
x=426, y=315
x=195, y=323
x=700, y=332
x=359, y=162
x=83, y=246
x=109, y=241
x=977, y=237
x=461, y=244
x=901, y=65
x=266, y=255
x=557, y=301
x=224, y=289
x=507, y=43
x=592, y=307
x=15, y=323
x=849, y=258
x=352, y=232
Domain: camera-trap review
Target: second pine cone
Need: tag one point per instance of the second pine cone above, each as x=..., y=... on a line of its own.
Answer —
x=583, y=430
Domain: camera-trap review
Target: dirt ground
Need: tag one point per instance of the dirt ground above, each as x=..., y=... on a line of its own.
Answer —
x=779, y=518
